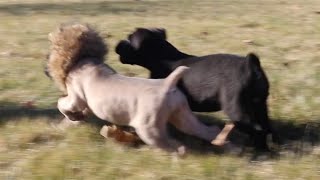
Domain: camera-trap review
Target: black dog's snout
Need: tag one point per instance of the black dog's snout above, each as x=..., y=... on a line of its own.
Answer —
x=123, y=47
x=127, y=53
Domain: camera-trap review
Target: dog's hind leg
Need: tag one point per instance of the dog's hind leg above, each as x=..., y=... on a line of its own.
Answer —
x=243, y=122
x=261, y=115
x=186, y=121
x=153, y=132
x=222, y=136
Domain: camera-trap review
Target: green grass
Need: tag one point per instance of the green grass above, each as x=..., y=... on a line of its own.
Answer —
x=285, y=34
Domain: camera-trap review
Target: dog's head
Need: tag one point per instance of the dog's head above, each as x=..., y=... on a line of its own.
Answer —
x=145, y=46
x=70, y=44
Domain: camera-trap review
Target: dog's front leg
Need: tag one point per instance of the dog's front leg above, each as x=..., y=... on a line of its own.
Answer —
x=71, y=108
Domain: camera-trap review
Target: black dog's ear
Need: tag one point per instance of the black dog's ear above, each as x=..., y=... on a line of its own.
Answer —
x=138, y=36
x=142, y=34
x=161, y=32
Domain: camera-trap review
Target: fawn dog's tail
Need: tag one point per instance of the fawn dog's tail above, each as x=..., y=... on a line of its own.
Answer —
x=173, y=78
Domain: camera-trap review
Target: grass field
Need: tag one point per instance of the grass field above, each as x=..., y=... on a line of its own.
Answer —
x=285, y=34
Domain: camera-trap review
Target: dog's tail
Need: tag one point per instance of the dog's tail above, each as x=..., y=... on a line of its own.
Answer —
x=174, y=77
x=254, y=65
x=70, y=44
x=253, y=60
x=258, y=79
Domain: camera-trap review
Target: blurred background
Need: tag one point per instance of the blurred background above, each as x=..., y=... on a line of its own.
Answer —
x=285, y=34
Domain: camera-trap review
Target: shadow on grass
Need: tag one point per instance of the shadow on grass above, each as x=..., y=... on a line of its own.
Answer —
x=83, y=8
x=297, y=138
x=16, y=113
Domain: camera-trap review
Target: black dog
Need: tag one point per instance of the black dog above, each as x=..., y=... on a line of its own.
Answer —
x=235, y=84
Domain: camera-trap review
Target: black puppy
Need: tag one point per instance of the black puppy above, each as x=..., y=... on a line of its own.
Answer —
x=235, y=84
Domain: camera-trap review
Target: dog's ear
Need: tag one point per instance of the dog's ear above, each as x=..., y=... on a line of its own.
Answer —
x=142, y=34
x=138, y=36
x=160, y=32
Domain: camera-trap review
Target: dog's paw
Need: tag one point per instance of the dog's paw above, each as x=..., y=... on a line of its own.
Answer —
x=104, y=131
x=76, y=116
x=119, y=135
x=180, y=153
x=221, y=138
x=65, y=124
x=219, y=142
